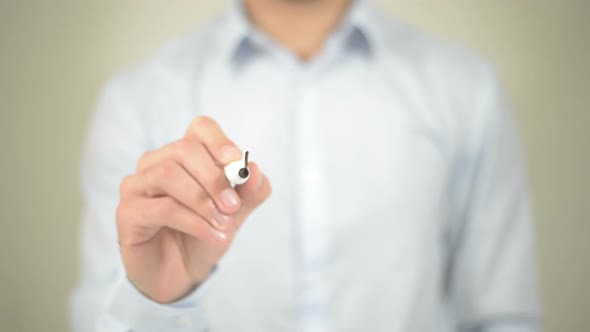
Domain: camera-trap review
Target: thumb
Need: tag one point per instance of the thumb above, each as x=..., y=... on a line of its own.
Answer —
x=252, y=193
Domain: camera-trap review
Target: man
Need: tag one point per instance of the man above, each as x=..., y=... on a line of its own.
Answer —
x=398, y=192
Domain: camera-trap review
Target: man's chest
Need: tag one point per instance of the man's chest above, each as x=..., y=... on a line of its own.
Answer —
x=345, y=147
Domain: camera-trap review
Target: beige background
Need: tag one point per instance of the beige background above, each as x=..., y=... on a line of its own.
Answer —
x=54, y=55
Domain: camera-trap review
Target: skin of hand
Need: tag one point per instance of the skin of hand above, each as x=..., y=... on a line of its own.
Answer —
x=178, y=214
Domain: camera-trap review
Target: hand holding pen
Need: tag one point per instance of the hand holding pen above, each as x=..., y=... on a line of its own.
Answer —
x=181, y=209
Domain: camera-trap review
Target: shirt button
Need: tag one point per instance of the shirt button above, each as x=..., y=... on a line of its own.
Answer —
x=184, y=320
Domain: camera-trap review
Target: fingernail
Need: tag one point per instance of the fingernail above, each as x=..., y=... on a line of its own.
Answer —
x=220, y=235
x=221, y=218
x=229, y=198
x=230, y=153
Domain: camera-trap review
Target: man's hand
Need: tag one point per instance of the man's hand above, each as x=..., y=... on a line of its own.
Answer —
x=178, y=214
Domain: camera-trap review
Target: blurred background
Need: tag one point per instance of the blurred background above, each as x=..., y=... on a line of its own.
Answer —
x=55, y=55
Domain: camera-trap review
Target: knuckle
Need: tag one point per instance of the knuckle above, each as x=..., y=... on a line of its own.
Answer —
x=144, y=160
x=202, y=121
x=125, y=185
x=209, y=204
x=180, y=147
x=202, y=197
x=205, y=206
x=208, y=212
x=215, y=182
x=199, y=200
x=164, y=170
x=163, y=207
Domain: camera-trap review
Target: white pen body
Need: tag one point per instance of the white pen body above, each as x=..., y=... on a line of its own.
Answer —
x=232, y=173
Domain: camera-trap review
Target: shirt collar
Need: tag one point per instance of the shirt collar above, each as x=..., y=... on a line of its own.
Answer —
x=362, y=24
x=241, y=41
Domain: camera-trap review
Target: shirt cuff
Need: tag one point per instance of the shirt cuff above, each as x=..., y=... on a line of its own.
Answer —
x=514, y=325
x=133, y=310
x=514, y=328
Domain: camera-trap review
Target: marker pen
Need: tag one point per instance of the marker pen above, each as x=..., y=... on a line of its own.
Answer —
x=237, y=173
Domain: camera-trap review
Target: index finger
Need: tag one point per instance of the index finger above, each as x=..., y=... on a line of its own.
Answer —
x=206, y=130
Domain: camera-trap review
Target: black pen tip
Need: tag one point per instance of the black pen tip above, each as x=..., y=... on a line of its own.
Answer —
x=243, y=173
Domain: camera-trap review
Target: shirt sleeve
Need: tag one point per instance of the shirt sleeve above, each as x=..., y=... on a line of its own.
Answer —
x=491, y=272
x=129, y=310
x=105, y=300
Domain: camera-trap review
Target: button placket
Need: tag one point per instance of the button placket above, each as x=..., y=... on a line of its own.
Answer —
x=310, y=197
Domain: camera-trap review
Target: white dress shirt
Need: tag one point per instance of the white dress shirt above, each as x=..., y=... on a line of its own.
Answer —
x=399, y=195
